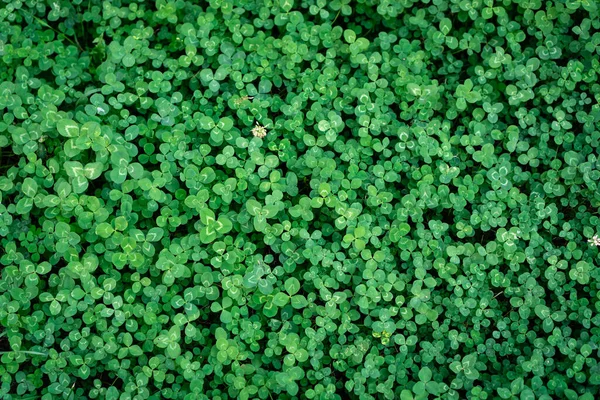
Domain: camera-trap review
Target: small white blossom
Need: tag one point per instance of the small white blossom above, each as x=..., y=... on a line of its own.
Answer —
x=259, y=131
x=240, y=100
x=595, y=241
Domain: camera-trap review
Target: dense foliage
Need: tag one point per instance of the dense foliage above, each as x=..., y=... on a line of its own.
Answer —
x=299, y=199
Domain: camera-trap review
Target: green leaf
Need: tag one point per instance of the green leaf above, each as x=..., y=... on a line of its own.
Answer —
x=349, y=36
x=471, y=374
x=253, y=207
x=281, y=299
x=173, y=350
x=55, y=307
x=207, y=216
x=154, y=234
x=67, y=128
x=445, y=26
x=104, y=230
x=73, y=168
x=542, y=311
x=225, y=124
x=413, y=89
x=286, y=5
x=24, y=206
x=135, y=170
x=406, y=395
x=93, y=170
x=207, y=175
x=456, y=367
x=207, y=234
x=29, y=187
x=206, y=123
x=269, y=211
x=260, y=223
x=292, y=286
x=80, y=184
x=224, y=225
x=504, y=393
x=298, y=301
x=425, y=374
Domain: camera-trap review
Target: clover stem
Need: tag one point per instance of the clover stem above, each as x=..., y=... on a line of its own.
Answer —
x=71, y=389
x=336, y=16
x=44, y=23
x=33, y=353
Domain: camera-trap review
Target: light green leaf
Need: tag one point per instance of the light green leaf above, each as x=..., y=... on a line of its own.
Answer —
x=281, y=299
x=414, y=89
x=154, y=234
x=207, y=216
x=425, y=374
x=104, y=230
x=67, y=128
x=73, y=168
x=269, y=211
x=29, y=187
x=260, y=223
x=292, y=286
x=80, y=184
x=445, y=26
x=55, y=307
x=299, y=301
x=253, y=207
x=93, y=170
x=224, y=225
x=173, y=350
x=207, y=175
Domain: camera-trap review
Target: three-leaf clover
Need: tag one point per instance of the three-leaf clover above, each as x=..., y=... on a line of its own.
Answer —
x=465, y=94
x=261, y=213
x=467, y=366
x=210, y=227
x=81, y=174
x=170, y=341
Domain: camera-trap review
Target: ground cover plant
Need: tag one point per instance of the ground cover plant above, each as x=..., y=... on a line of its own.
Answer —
x=299, y=199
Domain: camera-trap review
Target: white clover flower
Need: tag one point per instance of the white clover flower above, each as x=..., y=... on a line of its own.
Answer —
x=240, y=100
x=594, y=241
x=259, y=131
